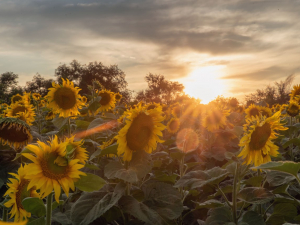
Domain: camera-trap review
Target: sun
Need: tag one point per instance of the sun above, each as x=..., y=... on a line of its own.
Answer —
x=205, y=83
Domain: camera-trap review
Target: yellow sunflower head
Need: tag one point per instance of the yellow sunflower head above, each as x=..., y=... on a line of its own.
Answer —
x=252, y=110
x=257, y=142
x=51, y=169
x=118, y=96
x=141, y=132
x=84, y=99
x=14, y=223
x=75, y=150
x=64, y=99
x=293, y=108
x=176, y=111
x=22, y=110
x=111, y=141
x=266, y=111
x=296, y=91
x=18, y=191
x=215, y=119
x=14, y=132
x=16, y=98
x=107, y=101
x=36, y=96
x=173, y=125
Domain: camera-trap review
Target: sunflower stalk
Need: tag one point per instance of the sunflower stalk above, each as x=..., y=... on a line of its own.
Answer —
x=235, y=192
x=4, y=217
x=69, y=127
x=49, y=209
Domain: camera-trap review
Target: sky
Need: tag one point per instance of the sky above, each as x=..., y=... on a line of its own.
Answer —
x=228, y=47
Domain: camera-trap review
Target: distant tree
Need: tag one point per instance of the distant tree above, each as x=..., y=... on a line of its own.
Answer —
x=277, y=94
x=160, y=90
x=111, y=77
x=8, y=83
x=38, y=85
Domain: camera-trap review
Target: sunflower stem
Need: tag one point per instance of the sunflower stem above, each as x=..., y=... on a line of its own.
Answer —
x=4, y=217
x=234, y=196
x=49, y=209
x=69, y=127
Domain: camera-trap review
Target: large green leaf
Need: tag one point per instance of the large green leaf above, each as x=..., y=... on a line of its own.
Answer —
x=95, y=123
x=283, y=212
x=35, y=206
x=91, y=206
x=90, y=182
x=254, y=181
x=252, y=218
x=255, y=195
x=294, y=141
x=112, y=149
x=199, y=178
x=59, y=122
x=82, y=124
x=283, y=166
x=209, y=204
x=94, y=104
x=39, y=221
x=219, y=216
x=276, y=178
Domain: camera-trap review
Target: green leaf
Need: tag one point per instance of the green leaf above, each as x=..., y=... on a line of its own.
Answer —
x=284, y=166
x=91, y=166
x=252, y=218
x=95, y=123
x=254, y=181
x=59, y=122
x=276, y=178
x=209, y=204
x=177, y=155
x=39, y=221
x=18, y=155
x=91, y=206
x=55, y=204
x=294, y=141
x=283, y=212
x=281, y=189
x=255, y=195
x=199, y=178
x=82, y=124
x=219, y=216
x=35, y=206
x=62, y=218
x=94, y=104
x=112, y=149
x=90, y=182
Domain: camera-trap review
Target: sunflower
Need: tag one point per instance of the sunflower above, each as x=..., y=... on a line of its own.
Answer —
x=215, y=119
x=296, y=91
x=64, y=99
x=14, y=132
x=176, y=111
x=83, y=99
x=16, y=98
x=152, y=105
x=252, y=110
x=14, y=223
x=173, y=125
x=257, y=145
x=140, y=132
x=21, y=107
x=118, y=96
x=293, y=108
x=26, y=117
x=50, y=115
x=51, y=169
x=111, y=141
x=18, y=191
x=266, y=111
x=233, y=103
x=36, y=96
x=75, y=150
x=107, y=101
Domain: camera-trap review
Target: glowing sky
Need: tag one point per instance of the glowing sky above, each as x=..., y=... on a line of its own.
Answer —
x=237, y=45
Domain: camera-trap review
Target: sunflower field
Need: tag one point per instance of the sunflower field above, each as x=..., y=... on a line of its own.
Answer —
x=78, y=160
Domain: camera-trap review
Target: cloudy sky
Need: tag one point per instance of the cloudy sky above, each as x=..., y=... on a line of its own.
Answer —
x=237, y=45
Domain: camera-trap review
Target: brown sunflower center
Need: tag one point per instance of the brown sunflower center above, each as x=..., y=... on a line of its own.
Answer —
x=18, y=109
x=16, y=98
x=215, y=117
x=174, y=125
x=65, y=98
x=177, y=112
x=13, y=134
x=152, y=106
x=118, y=97
x=54, y=166
x=22, y=192
x=254, y=112
x=105, y=98
x=139, y=133
x=260, y=136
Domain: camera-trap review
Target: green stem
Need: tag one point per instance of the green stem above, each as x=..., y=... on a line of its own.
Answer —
x=49, y=209
x=268, y=209
x=234, y=194
x=69, y=127
x=4, y=218
x=224, y=196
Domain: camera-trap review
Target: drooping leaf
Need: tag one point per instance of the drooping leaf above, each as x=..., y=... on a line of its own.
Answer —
x=59, y=122
x=283, y=166
x=293, y=141
x=255, y=195
x=90, y=182
x=112, y=149
x=252, y=218
x=283, y=212
x=219, y=216
x=35, y=206
x=276, y=178
x=39, y=221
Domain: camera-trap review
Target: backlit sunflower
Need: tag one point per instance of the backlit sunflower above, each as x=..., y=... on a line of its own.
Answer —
x=176, y=111
x=36, y=96
x=107, y=101
x=83, y=99
x=16, y=98
x=111, y=141
x=215, y=119
x=152, y=105
x=296, y=91
x=293, y=108
x=64, y=99
x=24, y=108
x=266, y=111
x=252, y=110
x=118, y=96
x=51, y=169
x=75, y=150
x=257, y=145
x=140, y=132
x=173, y=125
x=14, y=132
x=18, y=191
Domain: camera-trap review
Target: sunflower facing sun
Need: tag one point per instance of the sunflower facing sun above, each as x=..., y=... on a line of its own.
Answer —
x=173, y=125
x=21, y=110
x=257, y=145
x=18, y=191
x=215, y=119
x=51, y=169
x=107, y=101
x=141, y=132
x=64, y=99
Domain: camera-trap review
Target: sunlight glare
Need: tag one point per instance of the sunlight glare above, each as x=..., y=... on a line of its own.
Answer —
x=204, y=83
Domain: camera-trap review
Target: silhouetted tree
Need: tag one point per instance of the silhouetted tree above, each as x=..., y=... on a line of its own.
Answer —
x=278, y=94
x=38, y=85
x=160, y=90
x=8, y=84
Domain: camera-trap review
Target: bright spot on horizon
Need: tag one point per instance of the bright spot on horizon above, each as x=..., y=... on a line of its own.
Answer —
x=205, y=83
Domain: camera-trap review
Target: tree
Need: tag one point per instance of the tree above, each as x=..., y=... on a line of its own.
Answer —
x=160, y=90
x=38, y=85
x=8, y=82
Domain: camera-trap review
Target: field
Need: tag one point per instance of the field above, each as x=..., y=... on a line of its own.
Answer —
x=68, y=158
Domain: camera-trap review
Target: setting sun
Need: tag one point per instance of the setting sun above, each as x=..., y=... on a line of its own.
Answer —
x=205, y=83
